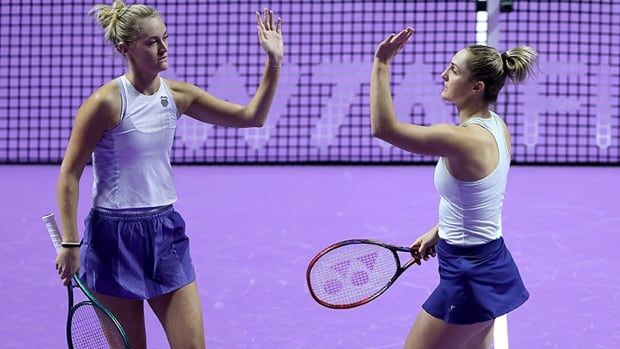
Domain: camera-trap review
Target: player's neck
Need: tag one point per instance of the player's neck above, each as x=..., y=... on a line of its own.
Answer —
x=145, y=83
x=474, y=110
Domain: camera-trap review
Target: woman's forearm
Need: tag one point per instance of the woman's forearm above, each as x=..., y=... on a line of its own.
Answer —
x=382, y=116
x=67, y=195
x=258, y=108
x=435, y=230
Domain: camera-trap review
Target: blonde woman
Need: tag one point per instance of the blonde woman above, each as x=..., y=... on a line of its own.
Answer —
x=134, y=246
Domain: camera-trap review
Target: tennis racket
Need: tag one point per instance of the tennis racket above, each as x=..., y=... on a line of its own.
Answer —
x=89, y=323
x=350, y=273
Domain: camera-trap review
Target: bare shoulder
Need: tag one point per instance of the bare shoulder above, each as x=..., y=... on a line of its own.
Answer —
x=100, y=111
x=482, y=143
x=477, y=130
x=478, y=136
x=486, y=138
x=108, y=95
x=183, y=93
x=104, y=104
x=181, y=87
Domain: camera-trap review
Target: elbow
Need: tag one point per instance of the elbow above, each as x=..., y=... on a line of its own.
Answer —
x=258, y=123
x=375, y=129
x=379, y=131
x=253, y=119
x=375, y=132
x=254, y=122
x=67, y=184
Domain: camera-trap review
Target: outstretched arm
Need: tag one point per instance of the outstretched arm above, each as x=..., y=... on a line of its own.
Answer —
x=441, y=140
x=200, y=105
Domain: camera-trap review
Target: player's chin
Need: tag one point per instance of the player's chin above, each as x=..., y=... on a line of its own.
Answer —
x=162, y=65
x=445, y=95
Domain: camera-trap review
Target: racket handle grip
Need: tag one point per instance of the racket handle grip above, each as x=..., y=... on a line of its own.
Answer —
x=52, y=230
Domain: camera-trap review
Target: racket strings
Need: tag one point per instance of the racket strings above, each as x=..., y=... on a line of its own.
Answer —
x=352, y=273
x=92, y=328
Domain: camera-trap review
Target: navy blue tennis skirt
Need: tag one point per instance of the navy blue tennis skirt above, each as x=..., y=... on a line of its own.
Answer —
x=135, y=253
x=477, y=283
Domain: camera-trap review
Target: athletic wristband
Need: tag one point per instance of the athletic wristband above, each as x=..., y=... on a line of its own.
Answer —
x=70, y=244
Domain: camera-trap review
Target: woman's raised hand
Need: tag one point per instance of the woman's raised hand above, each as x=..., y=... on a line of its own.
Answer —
x=389, y=47
x=270, y=36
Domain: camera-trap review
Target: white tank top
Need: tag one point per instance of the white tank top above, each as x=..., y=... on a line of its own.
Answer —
x=131, y=163
x=470, y=212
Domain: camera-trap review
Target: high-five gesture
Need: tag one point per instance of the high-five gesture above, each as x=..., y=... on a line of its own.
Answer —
x=389, y=47
x=270, y=36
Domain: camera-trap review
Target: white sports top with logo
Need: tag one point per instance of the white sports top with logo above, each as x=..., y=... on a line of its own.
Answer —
x=470, y=212
x=131, y=163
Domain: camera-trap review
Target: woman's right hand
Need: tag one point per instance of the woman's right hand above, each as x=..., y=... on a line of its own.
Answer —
x=424, y=246
x=67, y=263
x=270, y=36
x=389, y=47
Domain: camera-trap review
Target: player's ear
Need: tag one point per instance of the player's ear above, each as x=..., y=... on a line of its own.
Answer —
x=122, y=48
x=478, y=87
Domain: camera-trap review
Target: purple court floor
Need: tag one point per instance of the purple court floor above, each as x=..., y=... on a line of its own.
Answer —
x=254, y=229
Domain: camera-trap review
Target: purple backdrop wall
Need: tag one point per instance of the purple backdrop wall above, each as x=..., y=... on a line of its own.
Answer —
x=54, y=57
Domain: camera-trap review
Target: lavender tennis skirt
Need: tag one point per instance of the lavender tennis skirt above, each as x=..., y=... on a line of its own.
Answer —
x=135, y=253
x=477, y=283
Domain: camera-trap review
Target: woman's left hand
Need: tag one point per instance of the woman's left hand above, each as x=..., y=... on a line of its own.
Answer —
x=270, y=36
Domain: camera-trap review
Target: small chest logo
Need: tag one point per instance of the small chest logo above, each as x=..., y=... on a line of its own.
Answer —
x=164, y=101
